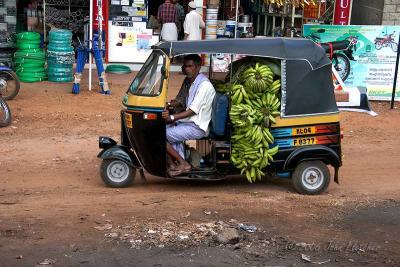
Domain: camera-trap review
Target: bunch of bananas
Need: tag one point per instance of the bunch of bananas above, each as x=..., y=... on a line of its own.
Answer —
x=251, y=152
x=238, y=94
x=258, y=78
x=296, y=3
x=275, y=87
x=267, y=108
x=242, y=115
x=254, y=107
x=220, y=86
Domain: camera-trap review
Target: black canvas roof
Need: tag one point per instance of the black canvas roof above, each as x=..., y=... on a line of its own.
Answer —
x=307, y=87
x=280, y=48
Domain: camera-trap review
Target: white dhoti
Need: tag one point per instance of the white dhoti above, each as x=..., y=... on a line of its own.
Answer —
x=169, y=32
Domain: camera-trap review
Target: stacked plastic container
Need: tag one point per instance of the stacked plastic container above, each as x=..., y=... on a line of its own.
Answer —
x=211, y=23
x=30, y=59
x=60, y=56
x=211, y=27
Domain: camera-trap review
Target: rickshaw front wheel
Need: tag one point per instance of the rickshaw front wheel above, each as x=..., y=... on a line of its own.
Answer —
x=311, y=177
x=117, y=173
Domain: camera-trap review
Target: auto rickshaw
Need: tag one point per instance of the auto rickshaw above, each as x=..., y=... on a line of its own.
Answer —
x=307, y=131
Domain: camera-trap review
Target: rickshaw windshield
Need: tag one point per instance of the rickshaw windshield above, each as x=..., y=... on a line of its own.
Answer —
x=148, y=81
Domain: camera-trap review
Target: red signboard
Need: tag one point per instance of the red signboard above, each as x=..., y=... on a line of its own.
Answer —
x=342, y=12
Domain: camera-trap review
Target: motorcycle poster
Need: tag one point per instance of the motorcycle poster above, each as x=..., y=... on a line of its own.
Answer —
x=372, y=55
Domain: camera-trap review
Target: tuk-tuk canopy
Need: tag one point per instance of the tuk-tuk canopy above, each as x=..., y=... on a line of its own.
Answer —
x=307, y=87
x=280, y=48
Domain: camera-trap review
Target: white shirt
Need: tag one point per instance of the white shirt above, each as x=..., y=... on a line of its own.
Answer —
x=202, y=105
x=193, y=25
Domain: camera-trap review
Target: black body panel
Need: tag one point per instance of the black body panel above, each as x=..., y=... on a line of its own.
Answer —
x=148, y=139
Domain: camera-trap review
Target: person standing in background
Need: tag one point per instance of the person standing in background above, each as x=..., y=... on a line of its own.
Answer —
x=181, y=18
x=167, y=16
x=193, y=23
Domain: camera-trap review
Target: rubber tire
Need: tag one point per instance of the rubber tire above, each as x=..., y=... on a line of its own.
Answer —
x=347, y=62
x=7, y=120
x=378, y=45
x=103, y=173
x=17, y=86
x=297, y=177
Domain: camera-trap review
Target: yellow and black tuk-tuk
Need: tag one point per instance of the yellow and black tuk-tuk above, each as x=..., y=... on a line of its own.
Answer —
x=307, y=130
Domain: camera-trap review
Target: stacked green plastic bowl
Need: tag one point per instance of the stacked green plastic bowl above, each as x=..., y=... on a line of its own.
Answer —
x=60, y=56
x=29, y=59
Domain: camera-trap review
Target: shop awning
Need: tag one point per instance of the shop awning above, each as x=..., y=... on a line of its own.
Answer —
x=280, y=48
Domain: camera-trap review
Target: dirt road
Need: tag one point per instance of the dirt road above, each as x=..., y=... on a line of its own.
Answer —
x=55, y=209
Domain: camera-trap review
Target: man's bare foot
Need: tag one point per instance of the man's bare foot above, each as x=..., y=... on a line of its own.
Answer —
x=184, y=166
x=173, y=173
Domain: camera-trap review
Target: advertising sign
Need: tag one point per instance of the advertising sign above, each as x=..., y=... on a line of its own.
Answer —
x=130, y=43
x=374, y=55
x=342, y=12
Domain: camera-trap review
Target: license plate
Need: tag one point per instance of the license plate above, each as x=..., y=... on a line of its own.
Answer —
x=305, y=141
x=303, y=130
x=128, y=120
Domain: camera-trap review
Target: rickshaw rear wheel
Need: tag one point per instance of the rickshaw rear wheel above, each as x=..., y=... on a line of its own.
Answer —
x=311, y=177
x=117, y=173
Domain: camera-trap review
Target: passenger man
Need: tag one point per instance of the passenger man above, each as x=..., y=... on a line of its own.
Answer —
x=180, y=18
x=193, y=123
x=167, y=16
x=193, y=23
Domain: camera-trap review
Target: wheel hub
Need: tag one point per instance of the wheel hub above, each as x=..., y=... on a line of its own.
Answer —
x=3, y=84
x=118, y=171
x=312, y=178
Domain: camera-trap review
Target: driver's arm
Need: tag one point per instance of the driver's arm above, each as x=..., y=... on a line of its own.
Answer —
x=177, y=116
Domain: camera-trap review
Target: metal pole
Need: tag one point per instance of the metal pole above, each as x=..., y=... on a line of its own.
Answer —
x=237, y=19
x=44, y=21
x=396, y=70
x=90, y=43
x=292, y=22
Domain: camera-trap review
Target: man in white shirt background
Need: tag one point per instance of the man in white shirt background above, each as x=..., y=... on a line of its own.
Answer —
x=193, y=23
x=193, y=123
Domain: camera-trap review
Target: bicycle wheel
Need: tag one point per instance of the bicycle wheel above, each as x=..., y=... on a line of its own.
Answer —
x=393, y=45
x=9, y=84
x=5, y=113
x=378, y=45
x=341, y=64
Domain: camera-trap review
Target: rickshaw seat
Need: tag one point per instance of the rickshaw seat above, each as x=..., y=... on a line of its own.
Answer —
x=219, y=115
x=337, y=45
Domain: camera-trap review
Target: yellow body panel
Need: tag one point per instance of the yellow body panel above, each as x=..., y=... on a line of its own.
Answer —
x=150, y=101
x=294, y=121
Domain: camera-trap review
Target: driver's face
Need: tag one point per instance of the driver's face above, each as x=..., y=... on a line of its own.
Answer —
x=190, y=69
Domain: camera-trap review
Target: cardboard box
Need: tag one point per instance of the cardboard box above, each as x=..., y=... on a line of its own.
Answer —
x=341, y=96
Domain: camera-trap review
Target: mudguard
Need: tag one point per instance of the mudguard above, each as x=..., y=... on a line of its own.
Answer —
x=121, y=153
x=316, y=152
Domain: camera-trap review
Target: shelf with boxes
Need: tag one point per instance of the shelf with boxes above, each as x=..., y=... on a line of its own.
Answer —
x=8, y=16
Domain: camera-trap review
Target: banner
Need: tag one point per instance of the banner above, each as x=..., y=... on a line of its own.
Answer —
x=374, y=55
x=342, y=12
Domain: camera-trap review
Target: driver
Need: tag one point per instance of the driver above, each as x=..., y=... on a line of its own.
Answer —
x=193, y=122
